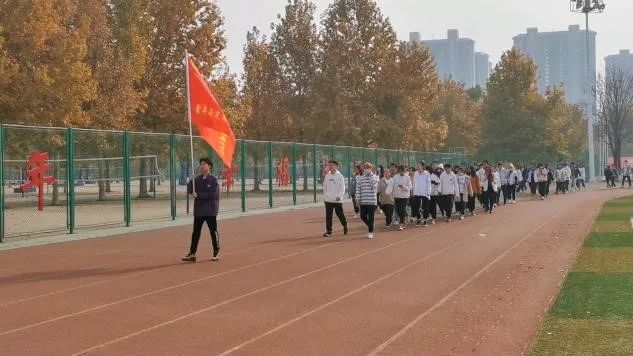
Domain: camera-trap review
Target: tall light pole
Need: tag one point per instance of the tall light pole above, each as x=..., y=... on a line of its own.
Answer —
x=587, y=7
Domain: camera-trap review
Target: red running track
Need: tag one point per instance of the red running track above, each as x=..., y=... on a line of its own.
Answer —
x=478, y=286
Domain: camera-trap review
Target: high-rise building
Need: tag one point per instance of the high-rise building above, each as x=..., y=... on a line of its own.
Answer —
x=623, y=61
x=454, y=57
x=482, y=69
x=561, y=58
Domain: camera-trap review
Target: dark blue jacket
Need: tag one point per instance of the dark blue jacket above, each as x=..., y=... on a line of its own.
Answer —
x=208, y=201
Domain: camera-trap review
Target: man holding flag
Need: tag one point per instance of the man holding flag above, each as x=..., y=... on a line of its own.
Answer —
x=205, y=112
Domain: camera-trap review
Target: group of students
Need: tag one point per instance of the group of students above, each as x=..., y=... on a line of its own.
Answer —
x=611, y=174
x=425, y=191
x=419, y=194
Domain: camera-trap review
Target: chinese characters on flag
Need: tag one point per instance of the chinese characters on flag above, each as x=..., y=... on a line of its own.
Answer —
x=36, y=168
x=208, y=116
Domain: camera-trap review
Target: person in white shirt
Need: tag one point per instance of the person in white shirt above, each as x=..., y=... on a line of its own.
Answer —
x=401, y=193
x=497, y=177
x=488, y=188
x=434, y=201
x=449, y=188
x=567, y=175
x=542, y=176
x=385, y=196
x=421, y=194
x=581, y=176
x=366, y=193
x=513, y=181
x=626, y=173
x=333, y=192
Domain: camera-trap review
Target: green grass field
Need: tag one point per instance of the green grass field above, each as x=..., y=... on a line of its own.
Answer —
x=593, y=314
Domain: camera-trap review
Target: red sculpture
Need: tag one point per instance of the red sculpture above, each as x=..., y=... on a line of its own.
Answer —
x=36, y=168
x=283, y=174
x=229, y=181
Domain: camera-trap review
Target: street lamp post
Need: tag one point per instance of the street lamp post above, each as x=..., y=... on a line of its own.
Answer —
x=587, y=7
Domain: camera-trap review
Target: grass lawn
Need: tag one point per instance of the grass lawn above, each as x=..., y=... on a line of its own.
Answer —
x=593, y=314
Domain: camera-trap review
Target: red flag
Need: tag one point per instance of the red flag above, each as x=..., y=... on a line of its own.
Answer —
x=209, y=117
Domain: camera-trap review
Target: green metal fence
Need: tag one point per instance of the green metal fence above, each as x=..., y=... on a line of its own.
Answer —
x=109, y=178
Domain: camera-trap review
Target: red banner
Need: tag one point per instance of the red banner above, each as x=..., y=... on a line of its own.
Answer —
x=209, y=117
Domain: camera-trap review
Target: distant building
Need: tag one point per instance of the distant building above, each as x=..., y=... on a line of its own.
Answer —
x=482, y=69
x=561, y=58
x=622, y=60
x=455, y=58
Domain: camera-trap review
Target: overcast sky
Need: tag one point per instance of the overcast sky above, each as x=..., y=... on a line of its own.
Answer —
x=491, y=23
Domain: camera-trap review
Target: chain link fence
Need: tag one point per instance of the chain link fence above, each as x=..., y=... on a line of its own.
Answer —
x=109, y=178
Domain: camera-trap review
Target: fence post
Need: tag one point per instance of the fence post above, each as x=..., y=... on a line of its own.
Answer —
x=70, y=180
x=243, y=173
x=172, y=174
x=294, y=173
x=314, y=172
x=270, y=173
x=2, y=145
x=127, y=188
x=349, y=165
x=362, y=154
x=376, y=156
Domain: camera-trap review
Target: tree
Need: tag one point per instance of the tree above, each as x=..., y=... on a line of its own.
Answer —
x=294, y=45
x=174, y=26
x=565, y=136
x=615, y=113
x=47, y=42
x=263, y=95
x=7, y=71
x=462, y=115
x=513, y=123
x=405, y=97
x=357, y=43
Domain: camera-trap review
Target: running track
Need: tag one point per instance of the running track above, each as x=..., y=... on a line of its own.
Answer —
x=478, y=286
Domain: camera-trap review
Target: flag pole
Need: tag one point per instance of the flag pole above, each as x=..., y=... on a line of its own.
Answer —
x=193, y=173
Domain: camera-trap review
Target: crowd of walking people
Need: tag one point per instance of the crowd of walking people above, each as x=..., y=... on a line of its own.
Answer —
x=423, y=194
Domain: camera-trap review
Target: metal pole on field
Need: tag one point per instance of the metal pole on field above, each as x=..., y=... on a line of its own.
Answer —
x=189, y=117
x=127, y=188
x=376, y=156
x=349, y=165
x=294, y=173
x=243, y=173
x=172, y=174
x=314, y=172
x=587, y=7
x=270, y=174
x=70, y=180
x=2, y=144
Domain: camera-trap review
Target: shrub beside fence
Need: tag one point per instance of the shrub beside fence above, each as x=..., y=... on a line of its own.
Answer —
x=118, y=178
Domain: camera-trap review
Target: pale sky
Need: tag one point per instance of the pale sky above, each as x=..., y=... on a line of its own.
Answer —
x=491, y=23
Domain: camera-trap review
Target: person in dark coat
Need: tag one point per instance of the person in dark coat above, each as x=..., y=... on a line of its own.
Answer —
x=206, y=205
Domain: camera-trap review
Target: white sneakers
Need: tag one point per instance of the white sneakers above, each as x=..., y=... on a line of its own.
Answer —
x=370, y=235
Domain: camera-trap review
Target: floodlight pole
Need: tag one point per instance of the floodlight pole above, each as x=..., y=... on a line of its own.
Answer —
x=586, y=7
x=590, y=102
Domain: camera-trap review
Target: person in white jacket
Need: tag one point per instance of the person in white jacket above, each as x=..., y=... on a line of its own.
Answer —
x=333, y=192
x=489, y=188
x=435, y=194
x=421, y=194
x=401, y=193
x=449, y=188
